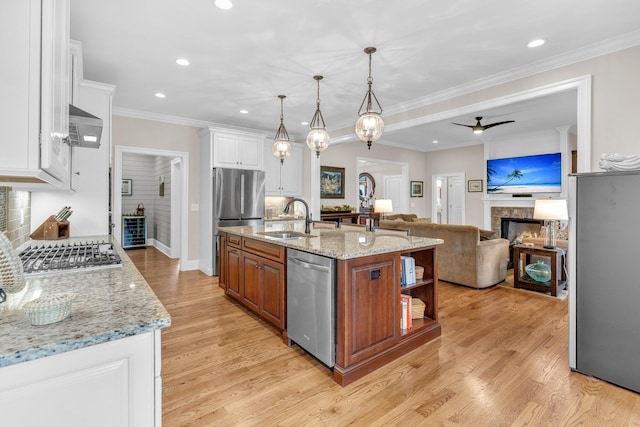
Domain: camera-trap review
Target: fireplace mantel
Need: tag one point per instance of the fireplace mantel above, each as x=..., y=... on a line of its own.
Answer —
x=507, y=202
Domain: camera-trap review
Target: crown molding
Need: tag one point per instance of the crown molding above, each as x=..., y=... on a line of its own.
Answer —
x=163, y=118
x=595, y=50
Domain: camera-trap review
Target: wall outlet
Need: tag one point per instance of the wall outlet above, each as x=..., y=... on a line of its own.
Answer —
x=195, y=207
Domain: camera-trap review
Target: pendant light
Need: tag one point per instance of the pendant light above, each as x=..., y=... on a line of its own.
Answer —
x=370, y=125
x=281, y=145
x=318, y=138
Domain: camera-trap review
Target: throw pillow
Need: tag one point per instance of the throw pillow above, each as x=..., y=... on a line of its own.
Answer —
x=488, y=234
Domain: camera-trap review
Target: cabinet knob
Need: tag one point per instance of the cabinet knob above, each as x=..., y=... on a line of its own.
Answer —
x=77, y=173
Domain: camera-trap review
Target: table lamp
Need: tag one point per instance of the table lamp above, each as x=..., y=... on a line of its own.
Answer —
x=383, y=206
x=551, y=211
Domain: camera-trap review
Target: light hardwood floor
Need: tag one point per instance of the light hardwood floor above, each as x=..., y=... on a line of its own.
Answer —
x=501, y=361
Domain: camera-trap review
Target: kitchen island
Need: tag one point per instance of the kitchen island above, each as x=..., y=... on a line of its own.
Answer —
x=368, y=333
x=100, y=366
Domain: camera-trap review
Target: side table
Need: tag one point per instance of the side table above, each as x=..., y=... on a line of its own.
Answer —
x=522, y=256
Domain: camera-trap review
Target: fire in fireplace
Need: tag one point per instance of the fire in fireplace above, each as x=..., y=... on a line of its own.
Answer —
x=512, y=228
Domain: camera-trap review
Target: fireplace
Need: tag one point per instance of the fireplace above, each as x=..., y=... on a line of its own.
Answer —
x=512, y=228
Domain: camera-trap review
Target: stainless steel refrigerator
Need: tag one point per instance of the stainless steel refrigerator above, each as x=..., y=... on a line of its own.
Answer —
x=604, y=285
x=238, y=199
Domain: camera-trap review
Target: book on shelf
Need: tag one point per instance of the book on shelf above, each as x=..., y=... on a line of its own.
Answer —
x=405, y=321
x=407, y=271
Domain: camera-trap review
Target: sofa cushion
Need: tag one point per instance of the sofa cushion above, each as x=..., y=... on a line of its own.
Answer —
x=401, y=217
x=426, y=220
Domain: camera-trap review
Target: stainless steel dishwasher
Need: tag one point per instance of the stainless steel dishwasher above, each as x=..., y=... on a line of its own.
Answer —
x=311, y=304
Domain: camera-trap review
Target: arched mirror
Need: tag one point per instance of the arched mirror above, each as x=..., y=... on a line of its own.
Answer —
x=366, y=189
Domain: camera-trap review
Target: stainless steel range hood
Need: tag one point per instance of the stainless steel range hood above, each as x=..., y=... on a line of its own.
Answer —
x=85, y=129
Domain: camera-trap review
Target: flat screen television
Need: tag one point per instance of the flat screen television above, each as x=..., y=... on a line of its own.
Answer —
x=541, y=173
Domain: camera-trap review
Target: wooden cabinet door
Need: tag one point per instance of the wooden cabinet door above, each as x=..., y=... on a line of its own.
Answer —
x=371, y=318
x=273, y=282
x=252, y=281
x=234, y=268
x=222, y=261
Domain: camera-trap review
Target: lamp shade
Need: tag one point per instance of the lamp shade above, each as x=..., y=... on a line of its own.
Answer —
x=383, y=206
x=551, y=209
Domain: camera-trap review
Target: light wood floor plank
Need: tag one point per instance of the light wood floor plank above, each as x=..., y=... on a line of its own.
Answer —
x=502, y=360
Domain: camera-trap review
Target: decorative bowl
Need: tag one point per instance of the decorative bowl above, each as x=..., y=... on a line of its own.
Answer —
x=540, y=272
x=49, y=309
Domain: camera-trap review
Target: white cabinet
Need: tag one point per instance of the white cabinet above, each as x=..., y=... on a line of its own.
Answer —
x=235, y=150
x=35, y=101
x=116, y=383
x=283, y=179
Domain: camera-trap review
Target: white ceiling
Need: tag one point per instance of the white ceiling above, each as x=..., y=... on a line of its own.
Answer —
x=245, y=57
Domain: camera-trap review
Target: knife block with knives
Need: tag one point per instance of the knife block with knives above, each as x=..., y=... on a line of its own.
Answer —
x=55, y=227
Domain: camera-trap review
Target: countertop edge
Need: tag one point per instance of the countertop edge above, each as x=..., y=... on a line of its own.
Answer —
x=75, y=344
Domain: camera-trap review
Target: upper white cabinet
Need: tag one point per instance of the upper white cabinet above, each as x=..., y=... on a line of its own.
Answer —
x=35, y=102
x=237, y=150
x=283, y=179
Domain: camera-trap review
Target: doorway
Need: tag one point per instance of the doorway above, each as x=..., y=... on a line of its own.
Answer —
x=179, y=170
x=392, y=180
x=448, y=198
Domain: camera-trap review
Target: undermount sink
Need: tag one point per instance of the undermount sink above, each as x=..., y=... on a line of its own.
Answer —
x=282, y=235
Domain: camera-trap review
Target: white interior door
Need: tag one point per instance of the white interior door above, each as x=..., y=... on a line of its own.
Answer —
x=455, y=197
x=394, y=189
x=448, y=198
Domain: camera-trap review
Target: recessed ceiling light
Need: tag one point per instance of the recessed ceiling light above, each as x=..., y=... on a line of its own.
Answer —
x=304, y=123
x=182, y=61
x=223, y=4
x=535, y=43
x=244, y=111
x=435, y=141
x=160, y=95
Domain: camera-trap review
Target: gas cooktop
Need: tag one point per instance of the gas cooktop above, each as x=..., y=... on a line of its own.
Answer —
x=71, y=256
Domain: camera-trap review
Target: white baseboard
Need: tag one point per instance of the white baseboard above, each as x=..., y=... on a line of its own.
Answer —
x=188, y=265
x=191, y=264
x=206, y=270
x=160, y=246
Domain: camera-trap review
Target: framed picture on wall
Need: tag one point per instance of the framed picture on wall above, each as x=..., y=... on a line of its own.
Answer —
x=331, y=182
x=416, y=188
x=127, y=187
x=474, y=186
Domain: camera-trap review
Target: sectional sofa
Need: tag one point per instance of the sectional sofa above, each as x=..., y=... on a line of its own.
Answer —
x=469, y=256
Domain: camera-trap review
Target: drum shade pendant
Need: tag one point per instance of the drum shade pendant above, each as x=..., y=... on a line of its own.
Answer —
x=318, y=137
x=281, y=145
x=370, y=125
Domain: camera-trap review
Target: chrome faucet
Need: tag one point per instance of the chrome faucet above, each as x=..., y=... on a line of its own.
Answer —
x=307, y=218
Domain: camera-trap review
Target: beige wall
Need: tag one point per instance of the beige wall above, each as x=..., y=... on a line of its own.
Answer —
x=344, y=156
x=469, y=161
x=141, y=133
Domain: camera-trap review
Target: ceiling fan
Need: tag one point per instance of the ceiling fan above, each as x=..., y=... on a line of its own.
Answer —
x=479, y=128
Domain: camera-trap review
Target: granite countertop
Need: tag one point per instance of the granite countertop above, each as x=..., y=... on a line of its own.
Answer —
x=111, y=303
x=336, y=243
